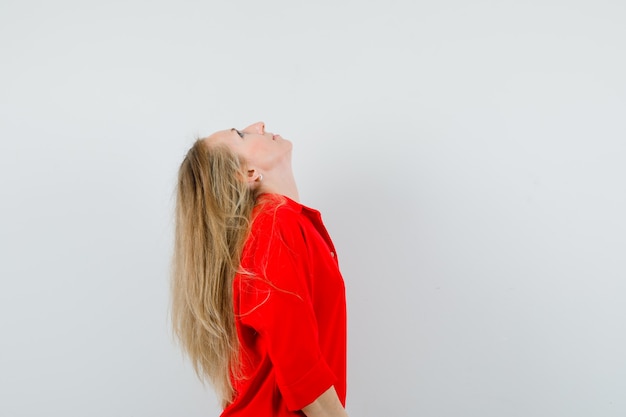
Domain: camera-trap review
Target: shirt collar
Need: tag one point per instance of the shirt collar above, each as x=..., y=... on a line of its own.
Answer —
x=283, y=199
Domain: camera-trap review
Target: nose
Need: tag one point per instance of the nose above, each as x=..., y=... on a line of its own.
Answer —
x=258, y=128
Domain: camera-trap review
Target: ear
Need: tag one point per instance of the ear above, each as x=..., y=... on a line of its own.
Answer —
x=253, y=177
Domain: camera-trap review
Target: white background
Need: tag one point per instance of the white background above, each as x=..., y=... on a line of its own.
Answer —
x=468, y=158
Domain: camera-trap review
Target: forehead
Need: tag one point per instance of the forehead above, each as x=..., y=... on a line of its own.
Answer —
x=223, y=136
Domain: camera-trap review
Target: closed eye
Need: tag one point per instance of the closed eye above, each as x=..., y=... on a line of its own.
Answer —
x=238, y=132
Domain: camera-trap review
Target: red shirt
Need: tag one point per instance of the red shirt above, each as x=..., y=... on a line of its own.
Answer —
x=290, y=312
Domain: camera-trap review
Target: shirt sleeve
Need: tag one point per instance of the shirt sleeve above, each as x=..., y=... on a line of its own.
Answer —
x=275, y=300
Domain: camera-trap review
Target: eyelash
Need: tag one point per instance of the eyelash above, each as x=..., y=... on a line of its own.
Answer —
x=239, y=133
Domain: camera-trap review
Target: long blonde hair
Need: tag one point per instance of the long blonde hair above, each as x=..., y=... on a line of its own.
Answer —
x=213, y=209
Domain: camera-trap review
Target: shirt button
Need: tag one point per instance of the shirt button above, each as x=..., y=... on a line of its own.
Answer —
x=332, y=254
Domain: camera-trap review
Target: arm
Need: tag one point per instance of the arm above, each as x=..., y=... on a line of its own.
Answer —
x=326, y=405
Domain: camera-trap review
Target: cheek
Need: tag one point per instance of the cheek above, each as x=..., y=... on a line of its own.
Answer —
x=254, y=153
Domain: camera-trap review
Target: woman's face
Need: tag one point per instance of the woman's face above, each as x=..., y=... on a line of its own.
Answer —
x=261, y=150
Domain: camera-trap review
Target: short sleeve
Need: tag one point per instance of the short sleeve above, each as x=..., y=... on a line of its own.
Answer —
x=275, y=300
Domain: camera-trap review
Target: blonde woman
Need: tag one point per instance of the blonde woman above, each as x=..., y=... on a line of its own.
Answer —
x=258, y=302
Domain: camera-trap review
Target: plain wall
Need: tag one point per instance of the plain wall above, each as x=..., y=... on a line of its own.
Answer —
x=468, y=159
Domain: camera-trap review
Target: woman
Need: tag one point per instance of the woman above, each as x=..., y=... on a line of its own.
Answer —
x=258, y=302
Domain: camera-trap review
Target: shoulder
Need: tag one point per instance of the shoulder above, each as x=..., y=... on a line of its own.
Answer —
x=275, y=212
x=277, y=235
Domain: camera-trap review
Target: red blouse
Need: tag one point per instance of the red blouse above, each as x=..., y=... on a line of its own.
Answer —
x=290, y=313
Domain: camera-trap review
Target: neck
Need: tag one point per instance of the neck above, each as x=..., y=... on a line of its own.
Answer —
x=280, y=182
